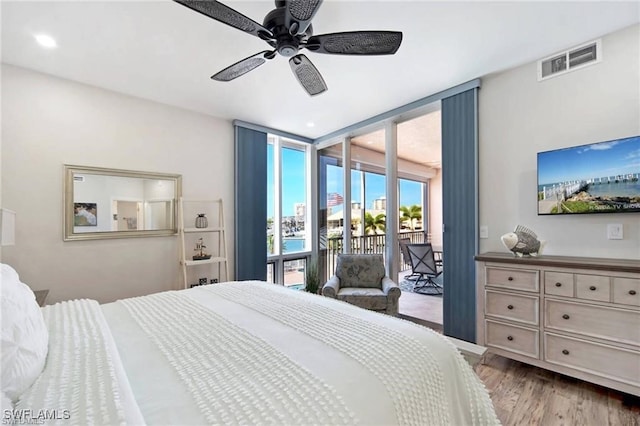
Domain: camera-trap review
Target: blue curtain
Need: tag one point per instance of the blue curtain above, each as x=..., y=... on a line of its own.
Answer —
x=250, y=207
x=459, y=210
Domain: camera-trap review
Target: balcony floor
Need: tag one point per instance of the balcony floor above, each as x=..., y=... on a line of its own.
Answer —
x=420, y=308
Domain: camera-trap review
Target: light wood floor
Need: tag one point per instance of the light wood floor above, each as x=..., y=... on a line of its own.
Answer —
x=422, y=307
x=527, y=395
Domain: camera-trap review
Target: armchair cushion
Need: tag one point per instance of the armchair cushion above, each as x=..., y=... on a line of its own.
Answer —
x=367, y=298
x=357, y=270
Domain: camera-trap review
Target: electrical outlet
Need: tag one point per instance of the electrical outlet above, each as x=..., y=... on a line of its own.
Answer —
x=484, y=231
x=614, y=231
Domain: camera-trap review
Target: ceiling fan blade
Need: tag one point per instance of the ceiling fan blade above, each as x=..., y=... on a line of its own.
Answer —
x=307, y=75
x=298, y=14
x=226, y=15
x=356, y=43
x=244, y=66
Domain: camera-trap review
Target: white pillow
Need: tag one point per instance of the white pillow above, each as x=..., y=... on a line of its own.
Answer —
x=5, y=405
x=25, y=338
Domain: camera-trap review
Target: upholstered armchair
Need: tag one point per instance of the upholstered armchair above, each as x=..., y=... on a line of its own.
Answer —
x=360, y=280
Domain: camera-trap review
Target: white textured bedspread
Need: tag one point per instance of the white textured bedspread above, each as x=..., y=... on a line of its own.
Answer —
x=256, y=353
x=83, y=382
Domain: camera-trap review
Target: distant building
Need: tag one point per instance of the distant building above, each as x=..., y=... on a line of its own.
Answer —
x=380, y=204
x=300, y=210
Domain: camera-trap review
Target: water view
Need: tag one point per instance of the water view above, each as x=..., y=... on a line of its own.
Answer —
x=619, y=189
x=293, y=245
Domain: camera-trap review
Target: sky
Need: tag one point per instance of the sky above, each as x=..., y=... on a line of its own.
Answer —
x=293, y=180
x=621, y=156
x=375, y=187
x=293, y=184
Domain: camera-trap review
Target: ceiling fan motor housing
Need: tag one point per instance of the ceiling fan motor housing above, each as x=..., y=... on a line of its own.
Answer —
x=286, y=44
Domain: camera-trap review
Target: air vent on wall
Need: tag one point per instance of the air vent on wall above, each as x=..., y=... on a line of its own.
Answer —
x=78, y=178
x=570, y=60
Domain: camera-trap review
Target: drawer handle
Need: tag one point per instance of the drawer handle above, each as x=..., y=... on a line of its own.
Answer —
x=510, y=278
x=509, y=337
x=566, y=316
x=632, y=292
x=565, y=352
x=510, y=307
x=592, y=288
x=558, y=284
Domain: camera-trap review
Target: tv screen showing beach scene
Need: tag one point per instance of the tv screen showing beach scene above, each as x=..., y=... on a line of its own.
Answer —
x=602, y=177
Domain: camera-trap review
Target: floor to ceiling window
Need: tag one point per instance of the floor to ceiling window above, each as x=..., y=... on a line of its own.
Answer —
x=288, y=234
x=411, y=148
x=368, y=202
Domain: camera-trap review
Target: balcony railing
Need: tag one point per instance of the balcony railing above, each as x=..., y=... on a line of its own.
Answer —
x=373, y=244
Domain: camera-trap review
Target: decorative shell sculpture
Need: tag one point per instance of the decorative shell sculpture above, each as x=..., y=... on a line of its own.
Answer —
x=523, y=242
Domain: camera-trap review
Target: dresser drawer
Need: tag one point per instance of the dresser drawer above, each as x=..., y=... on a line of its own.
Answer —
x=558, y=283
x=593, y=287
x=512, y=338
x=626, y=291
x=512, y=306
x=517, y=279
x=598, y=321
x=605, y=361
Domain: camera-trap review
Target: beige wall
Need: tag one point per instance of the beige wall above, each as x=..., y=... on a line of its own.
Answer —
x=47, y=122
x=520, y=117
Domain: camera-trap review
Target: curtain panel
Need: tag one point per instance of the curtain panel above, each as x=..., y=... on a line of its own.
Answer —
x=460, y=212
x=250, y=204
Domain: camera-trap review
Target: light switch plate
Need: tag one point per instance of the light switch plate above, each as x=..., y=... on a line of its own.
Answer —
x=484, y=231
x=614, y=231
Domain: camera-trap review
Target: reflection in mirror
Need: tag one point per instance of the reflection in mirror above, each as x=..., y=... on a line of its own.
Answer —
x=111, y=203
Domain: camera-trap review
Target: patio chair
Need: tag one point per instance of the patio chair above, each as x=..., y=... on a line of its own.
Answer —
x=405, y=262
x=360, y=280
x=425, y=267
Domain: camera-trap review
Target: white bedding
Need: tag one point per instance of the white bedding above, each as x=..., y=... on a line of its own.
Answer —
x=247, y=353
x=250, y=352
x=83, y=381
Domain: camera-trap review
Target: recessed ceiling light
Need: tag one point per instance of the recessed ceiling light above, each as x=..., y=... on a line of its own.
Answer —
x=46, y=41
x=311, y=124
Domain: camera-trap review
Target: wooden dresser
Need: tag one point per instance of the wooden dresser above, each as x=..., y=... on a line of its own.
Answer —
x=578, y=316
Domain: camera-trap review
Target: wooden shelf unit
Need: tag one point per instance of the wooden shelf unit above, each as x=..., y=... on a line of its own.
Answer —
x=213, y=236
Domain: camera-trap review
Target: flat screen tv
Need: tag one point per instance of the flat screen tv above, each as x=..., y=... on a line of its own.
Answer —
x=602, y=177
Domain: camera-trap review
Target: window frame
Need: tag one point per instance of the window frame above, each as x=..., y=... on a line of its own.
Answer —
x=278, y=259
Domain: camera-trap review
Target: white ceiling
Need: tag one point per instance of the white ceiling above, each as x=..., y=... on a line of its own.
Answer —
x=162, y=51
x=419, y=140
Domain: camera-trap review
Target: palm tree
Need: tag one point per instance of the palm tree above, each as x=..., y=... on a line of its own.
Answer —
x=373, y=224
x=410, y=214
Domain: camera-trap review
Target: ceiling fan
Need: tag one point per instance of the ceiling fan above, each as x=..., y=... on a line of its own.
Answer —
x=287, y=29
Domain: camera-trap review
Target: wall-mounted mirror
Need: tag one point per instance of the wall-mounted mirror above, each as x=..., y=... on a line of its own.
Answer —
x=111, y=203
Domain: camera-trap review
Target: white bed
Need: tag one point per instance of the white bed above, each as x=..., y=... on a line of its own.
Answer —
x=247, y=353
